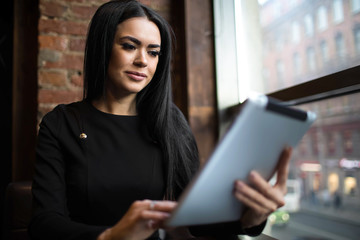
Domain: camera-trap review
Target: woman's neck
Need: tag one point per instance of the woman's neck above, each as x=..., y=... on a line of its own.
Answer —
x=116, y=106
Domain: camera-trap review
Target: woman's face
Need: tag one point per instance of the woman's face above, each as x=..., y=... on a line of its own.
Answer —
x=134, y=56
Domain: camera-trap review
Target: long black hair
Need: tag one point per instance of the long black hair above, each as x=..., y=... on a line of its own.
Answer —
x=165, y=122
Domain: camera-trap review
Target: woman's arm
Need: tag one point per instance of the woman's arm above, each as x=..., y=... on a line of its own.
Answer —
x=50, y=215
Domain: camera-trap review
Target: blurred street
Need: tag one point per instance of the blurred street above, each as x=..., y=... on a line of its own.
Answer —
x=320, y=223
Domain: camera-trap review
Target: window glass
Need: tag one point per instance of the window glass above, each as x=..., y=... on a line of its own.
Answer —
x=357, y=39
x=299, y=41
x=355, y=6
x=338, y=11
x=297, y=64
x=340, y=46
x=309, y=25
x=310, y=54
x=280, y=44
x=280, y=71
x=324, y=52
x=295, y=32
x=326, y=164
x=322, y=18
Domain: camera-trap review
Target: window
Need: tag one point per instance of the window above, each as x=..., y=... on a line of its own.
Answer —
x=355, y=6
x=340, y=46
x=277, y=9
x=315, y=70
x=297, y=64
x=333, y=182
x=279, y=42
x=309, y=25
x=292, y=3
x=295, y=30
x=255, y=41
x=311, y=61
x=350, y=186
x=324, y=52
x=328, y=169
x=280, y=72
x=347, y=142
x=357, y=39
x=338, y=11
x=322, y=18
x=331, y=143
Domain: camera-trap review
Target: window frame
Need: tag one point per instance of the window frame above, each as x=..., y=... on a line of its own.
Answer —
x=333, y=85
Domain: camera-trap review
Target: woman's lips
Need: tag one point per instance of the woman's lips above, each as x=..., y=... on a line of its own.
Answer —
x=136, y=75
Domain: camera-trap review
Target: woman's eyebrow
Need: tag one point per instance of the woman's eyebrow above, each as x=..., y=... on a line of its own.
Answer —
x=138, y=42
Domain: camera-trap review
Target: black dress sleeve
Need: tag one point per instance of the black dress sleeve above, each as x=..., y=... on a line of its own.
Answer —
x=50, y=215
x=226, y=230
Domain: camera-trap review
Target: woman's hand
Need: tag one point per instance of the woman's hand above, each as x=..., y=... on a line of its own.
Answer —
x=140, y=221
x=261, y=198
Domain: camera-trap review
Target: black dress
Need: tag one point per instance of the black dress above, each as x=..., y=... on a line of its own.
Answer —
x=90, y=167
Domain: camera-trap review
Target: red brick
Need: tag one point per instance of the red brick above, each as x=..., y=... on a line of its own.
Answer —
x=160, y=5
x=67, y=61
x=77, y=44
x=76, y=1
x=52, y=78
x=145, y=2
x=62, y=27
x=59, y=96
x=52, y=9
x=83, y=12
x=100, y=2
x=48, y=55
x=53, y=42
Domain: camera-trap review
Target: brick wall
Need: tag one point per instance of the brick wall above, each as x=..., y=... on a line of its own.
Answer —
x=62, y=29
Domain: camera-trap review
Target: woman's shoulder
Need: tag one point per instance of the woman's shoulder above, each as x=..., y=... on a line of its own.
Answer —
x=64, y=109
x=61, y=113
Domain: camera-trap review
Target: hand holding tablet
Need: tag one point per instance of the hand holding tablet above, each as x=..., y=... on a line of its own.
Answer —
x=255, y=141
x=260, y=197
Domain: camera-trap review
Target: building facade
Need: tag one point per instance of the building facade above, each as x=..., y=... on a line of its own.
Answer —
x=304, y=40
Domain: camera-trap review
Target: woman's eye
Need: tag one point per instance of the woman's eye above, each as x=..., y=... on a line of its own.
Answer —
x=128, y=46
x=154, y=53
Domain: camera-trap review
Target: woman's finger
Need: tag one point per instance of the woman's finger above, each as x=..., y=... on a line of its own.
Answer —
x=254, y=206
x=254, y=199
x=265, y=188
x=164, y=206
x=154, y=215
x=283, y=169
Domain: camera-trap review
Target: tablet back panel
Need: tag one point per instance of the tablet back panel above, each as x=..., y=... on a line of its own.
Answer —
x=254, y=142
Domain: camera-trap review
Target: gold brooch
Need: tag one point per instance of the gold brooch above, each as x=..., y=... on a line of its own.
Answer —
x=83, y=136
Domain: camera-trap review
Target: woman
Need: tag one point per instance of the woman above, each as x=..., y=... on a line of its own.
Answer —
x=126, y=141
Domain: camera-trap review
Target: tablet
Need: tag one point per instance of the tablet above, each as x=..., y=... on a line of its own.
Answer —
x=254, y=142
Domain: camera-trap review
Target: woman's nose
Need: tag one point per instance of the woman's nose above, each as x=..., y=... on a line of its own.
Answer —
x=141, y=60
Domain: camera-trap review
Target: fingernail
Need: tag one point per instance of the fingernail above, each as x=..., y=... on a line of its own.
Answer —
x=239, y=185
x=252, y=174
